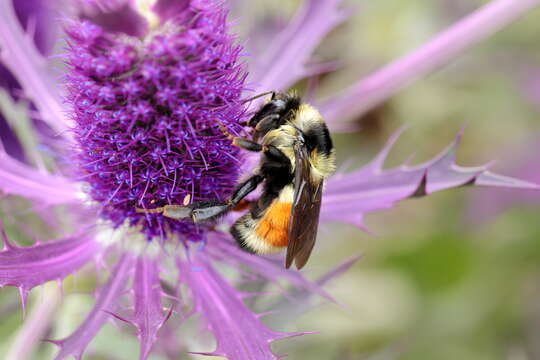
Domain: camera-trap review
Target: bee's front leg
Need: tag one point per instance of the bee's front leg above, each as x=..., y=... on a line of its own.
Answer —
x=207, y=210
x=241, y=142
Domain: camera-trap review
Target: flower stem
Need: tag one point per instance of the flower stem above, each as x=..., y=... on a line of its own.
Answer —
x=443, y=48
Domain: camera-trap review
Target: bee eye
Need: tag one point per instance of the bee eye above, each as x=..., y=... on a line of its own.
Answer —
x=279, y=105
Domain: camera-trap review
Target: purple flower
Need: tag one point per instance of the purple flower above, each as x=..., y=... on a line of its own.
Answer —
x=146, y=112
x=145, y=89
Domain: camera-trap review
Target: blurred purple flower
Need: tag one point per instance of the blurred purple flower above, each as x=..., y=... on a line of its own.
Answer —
x=146, y=87
x=36, y=17
x=371, y=91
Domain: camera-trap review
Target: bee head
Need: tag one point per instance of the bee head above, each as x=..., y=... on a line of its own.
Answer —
x=274, y=112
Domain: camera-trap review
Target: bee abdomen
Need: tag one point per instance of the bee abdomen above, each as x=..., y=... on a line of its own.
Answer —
x=273, y=227
x=267, y=234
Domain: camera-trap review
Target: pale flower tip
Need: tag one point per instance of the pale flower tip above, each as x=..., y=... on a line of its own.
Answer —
x=285, y=335
x=7, y=244
x=490, y=179
x=125, y=319
x=58, y=343
x=377, y=164
x=144, y=7
x=215, y=353
x=267, y=313
x=337, y=271
x=23, y=294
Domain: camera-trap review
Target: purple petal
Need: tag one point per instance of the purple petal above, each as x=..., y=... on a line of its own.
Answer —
x=39, y=17
x=19, y=179
x=27, y=267
x=349, y=196
x=75, y=344
x=522, y=160
x=299, y=302
x=114, y=16
x=8, y=138
x=20, y=55
x=36, y=16
x=381, y=85
x=222, y=249
x=240, y=335
x=8, y=82
x=167, y=9
x=149, y=315
x=284, y=63
x=338, y=270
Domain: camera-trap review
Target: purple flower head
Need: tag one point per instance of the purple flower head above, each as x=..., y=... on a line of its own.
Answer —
x=147, y=111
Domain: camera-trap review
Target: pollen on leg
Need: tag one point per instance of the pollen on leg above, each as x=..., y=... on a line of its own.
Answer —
x=177, y=211
x=158, y=210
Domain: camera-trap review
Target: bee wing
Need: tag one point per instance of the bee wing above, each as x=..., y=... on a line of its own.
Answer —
x=305, y=210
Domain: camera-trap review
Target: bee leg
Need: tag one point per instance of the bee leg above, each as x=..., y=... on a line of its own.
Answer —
x=276, y=155
x=242, y=205
x=245, y=188
x=177, y=212
x=210, y=211
x=248, y=144
x=207, y=210
x=267, y=123
x=171, y=211
x=260, y=95
x=241, y=142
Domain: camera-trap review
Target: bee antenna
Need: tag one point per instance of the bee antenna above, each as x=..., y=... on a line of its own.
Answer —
x=258, y=96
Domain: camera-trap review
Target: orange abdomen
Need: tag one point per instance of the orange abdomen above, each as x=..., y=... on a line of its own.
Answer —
x=273, y=227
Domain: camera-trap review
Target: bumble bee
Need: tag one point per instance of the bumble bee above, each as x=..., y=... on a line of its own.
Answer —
x=297, y=155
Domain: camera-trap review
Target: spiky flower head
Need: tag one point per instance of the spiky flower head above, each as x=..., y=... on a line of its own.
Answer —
x=147, y=110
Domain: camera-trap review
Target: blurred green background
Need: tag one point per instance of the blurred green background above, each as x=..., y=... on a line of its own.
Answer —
x=436, y=282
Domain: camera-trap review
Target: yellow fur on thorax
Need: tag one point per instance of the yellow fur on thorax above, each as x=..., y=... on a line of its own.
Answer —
x=305, y=116
x=322, y=165
x=284, y=137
